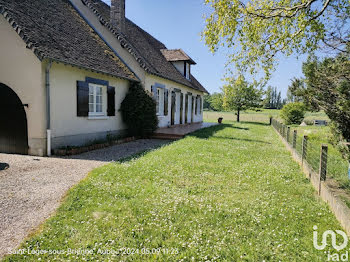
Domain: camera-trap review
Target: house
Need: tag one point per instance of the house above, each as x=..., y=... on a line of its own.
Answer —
x=66, y=66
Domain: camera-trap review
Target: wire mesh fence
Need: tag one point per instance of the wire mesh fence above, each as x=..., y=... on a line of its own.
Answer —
x=317, y=156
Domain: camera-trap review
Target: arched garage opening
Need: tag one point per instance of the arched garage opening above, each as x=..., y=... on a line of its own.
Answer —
x=13, y=123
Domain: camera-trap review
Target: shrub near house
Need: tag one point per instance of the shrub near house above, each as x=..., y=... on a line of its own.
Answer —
x=139, y=112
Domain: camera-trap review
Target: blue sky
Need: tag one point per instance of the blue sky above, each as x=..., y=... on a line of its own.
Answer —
x=178, y=24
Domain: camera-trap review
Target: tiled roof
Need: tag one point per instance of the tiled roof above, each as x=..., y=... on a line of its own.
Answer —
x=54, y=30
x=143, y=47
x=174, y=55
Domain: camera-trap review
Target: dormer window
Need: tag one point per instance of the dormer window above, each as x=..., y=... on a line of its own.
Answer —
x=180, y=60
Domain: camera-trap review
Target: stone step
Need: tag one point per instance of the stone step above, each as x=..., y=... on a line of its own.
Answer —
x=166, y=136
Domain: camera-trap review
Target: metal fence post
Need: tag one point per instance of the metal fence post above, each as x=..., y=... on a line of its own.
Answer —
x=295, y=132
x=323, y=165
x=270, y=121
x=304, y=150
x=348, y=144
x=288, y=134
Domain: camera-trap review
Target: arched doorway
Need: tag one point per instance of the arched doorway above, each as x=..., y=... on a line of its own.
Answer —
x=13, y=123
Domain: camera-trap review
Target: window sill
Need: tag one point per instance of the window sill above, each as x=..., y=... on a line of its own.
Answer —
x=98, y=117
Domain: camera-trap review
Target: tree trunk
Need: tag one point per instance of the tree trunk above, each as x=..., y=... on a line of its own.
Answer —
x=238, y=112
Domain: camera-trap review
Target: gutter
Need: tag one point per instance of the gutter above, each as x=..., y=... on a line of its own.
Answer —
x=101, y=36
x=48, y=108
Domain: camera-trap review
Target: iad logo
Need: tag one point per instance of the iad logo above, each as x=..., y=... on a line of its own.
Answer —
x=344, y=256
x=333, y=237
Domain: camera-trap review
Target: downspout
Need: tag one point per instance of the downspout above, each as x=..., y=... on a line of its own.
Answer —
x=48, y=110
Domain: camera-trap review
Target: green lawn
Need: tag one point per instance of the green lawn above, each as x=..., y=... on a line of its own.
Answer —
x=337, y=167
x=226, y=193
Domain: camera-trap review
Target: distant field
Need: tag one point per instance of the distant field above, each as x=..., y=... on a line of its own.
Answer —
x=258, y=116
x=248, y=116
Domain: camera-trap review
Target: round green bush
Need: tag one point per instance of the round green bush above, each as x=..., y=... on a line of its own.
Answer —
x=138, y=111
x=293, y=113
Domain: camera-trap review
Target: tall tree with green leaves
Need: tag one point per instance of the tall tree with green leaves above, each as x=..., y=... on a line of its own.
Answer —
x=239, y=95
x=206, y=102
x=267, y=102
x=216, y=101
x=298, y=92
x=293, y=89
x=328, y=85
x=257, y=31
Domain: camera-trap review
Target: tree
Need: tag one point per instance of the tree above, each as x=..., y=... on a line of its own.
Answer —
x=297, y=92
x=293, y=113
x=216, y=101
x=294, y=91
x=239, y=95
x=272, y=99
x=267, y=102
x=328, y=85
x=256, y=31
x=279, y=101
x=206, y=102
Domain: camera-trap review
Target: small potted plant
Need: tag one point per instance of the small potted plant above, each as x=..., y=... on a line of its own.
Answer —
x=220, y=120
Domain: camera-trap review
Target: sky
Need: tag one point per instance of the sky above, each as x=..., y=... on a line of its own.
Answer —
x=178, y=24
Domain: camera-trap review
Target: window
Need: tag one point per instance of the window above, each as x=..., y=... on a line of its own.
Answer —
x=96, y=100
x=187, y=70
x=160, y=101
x=160, y=95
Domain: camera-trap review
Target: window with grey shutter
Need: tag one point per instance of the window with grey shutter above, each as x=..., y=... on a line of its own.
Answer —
x=82, y=99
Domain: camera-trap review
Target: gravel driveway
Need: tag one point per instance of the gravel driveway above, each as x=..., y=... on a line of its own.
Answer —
x=31, y=187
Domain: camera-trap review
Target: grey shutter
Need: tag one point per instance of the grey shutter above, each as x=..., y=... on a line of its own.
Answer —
x=193, y=108
x=200, y=105
x=195, y=105
x=186, y=108
x=111, y=101
x=166, y=101
x=181, y=108
x=154, y=92
x=82, y=99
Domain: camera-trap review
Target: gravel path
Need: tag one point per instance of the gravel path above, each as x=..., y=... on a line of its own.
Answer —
x=31, y=187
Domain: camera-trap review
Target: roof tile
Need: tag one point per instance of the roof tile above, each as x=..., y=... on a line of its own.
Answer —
x=54, y=30
x=145, y=48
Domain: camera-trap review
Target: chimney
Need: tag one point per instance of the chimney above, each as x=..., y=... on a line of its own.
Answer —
x=118, y=14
